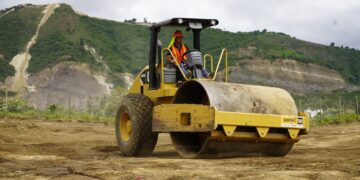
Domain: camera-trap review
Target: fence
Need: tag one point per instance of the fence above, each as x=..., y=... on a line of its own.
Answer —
x=328, y=110
x=92, y=108
x=321, y=108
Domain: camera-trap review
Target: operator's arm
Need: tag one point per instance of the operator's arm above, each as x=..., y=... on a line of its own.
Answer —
x=169, y=58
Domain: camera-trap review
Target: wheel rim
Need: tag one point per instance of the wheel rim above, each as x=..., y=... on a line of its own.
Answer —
x=125, y=126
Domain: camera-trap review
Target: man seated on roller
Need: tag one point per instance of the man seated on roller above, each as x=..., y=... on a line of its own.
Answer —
x=178, y=49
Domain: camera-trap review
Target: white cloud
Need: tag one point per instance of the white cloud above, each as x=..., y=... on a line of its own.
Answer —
x=320, y=21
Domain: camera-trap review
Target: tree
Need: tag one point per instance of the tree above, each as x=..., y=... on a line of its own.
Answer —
x=332, y=44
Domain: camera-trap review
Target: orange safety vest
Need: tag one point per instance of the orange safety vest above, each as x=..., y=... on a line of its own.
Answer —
x=179, y=55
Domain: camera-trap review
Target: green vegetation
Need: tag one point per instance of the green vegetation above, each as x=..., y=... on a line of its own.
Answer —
x=328, y=101
x=334, y=119
x=60, y=39
x=16, y=29
x=5, y=69
x=273, y=45
x=18, y=109
x=59, y=115
x=124, y=46
x=105, y=111
x=336, y=108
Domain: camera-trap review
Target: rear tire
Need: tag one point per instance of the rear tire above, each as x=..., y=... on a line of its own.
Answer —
x=133, y=126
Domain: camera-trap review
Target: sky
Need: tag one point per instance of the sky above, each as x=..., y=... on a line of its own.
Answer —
x=319, y=21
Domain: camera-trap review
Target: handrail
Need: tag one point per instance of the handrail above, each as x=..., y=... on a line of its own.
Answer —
x=211, y=62
x=223, y=51
x=162, y=65
x=218, y=64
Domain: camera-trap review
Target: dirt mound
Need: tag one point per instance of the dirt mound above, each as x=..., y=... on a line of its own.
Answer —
x=54, y=151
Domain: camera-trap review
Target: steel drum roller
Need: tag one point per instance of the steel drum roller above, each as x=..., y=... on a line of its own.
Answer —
x=233, y=98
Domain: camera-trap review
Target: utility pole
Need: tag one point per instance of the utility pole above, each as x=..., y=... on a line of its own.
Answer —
x=357, y=108
x=321, y=111
x=69, y=104
x=339, y=108
x=6, y=102
x=100, y=107
x=92, y=109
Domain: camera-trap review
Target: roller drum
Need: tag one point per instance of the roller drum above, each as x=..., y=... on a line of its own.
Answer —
x=233, y=98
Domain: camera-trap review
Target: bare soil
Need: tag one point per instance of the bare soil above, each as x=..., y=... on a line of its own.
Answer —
x=32, y=149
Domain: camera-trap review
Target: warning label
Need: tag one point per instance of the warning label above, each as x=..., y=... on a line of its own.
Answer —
x=292, y=122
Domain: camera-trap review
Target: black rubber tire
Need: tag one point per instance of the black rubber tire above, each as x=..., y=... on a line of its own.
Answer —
x=142, y=140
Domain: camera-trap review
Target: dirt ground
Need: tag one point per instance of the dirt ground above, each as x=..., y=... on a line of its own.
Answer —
x=31, y=149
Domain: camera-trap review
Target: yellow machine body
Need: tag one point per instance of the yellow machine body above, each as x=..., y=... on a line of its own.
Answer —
x=208, y=118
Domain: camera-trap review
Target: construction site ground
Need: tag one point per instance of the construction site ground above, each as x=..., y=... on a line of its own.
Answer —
x=31, y=149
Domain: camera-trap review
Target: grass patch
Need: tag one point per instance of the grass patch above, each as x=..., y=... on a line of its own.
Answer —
x=334, y=119
x=328, y=102
x=18, y=109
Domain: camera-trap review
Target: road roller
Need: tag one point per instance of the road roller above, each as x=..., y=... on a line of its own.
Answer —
x=206, y=117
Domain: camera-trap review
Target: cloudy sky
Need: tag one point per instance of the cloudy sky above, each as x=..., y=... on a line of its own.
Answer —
x=320, y=21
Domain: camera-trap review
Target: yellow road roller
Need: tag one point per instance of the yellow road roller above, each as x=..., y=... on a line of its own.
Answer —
x=206, y=117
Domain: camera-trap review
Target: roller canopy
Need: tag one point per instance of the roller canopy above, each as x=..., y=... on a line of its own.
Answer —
x=181, y=22
x=196, y=25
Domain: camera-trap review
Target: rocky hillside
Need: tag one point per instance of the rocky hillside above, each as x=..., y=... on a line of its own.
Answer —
x=292, y=75
x=51, y=53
